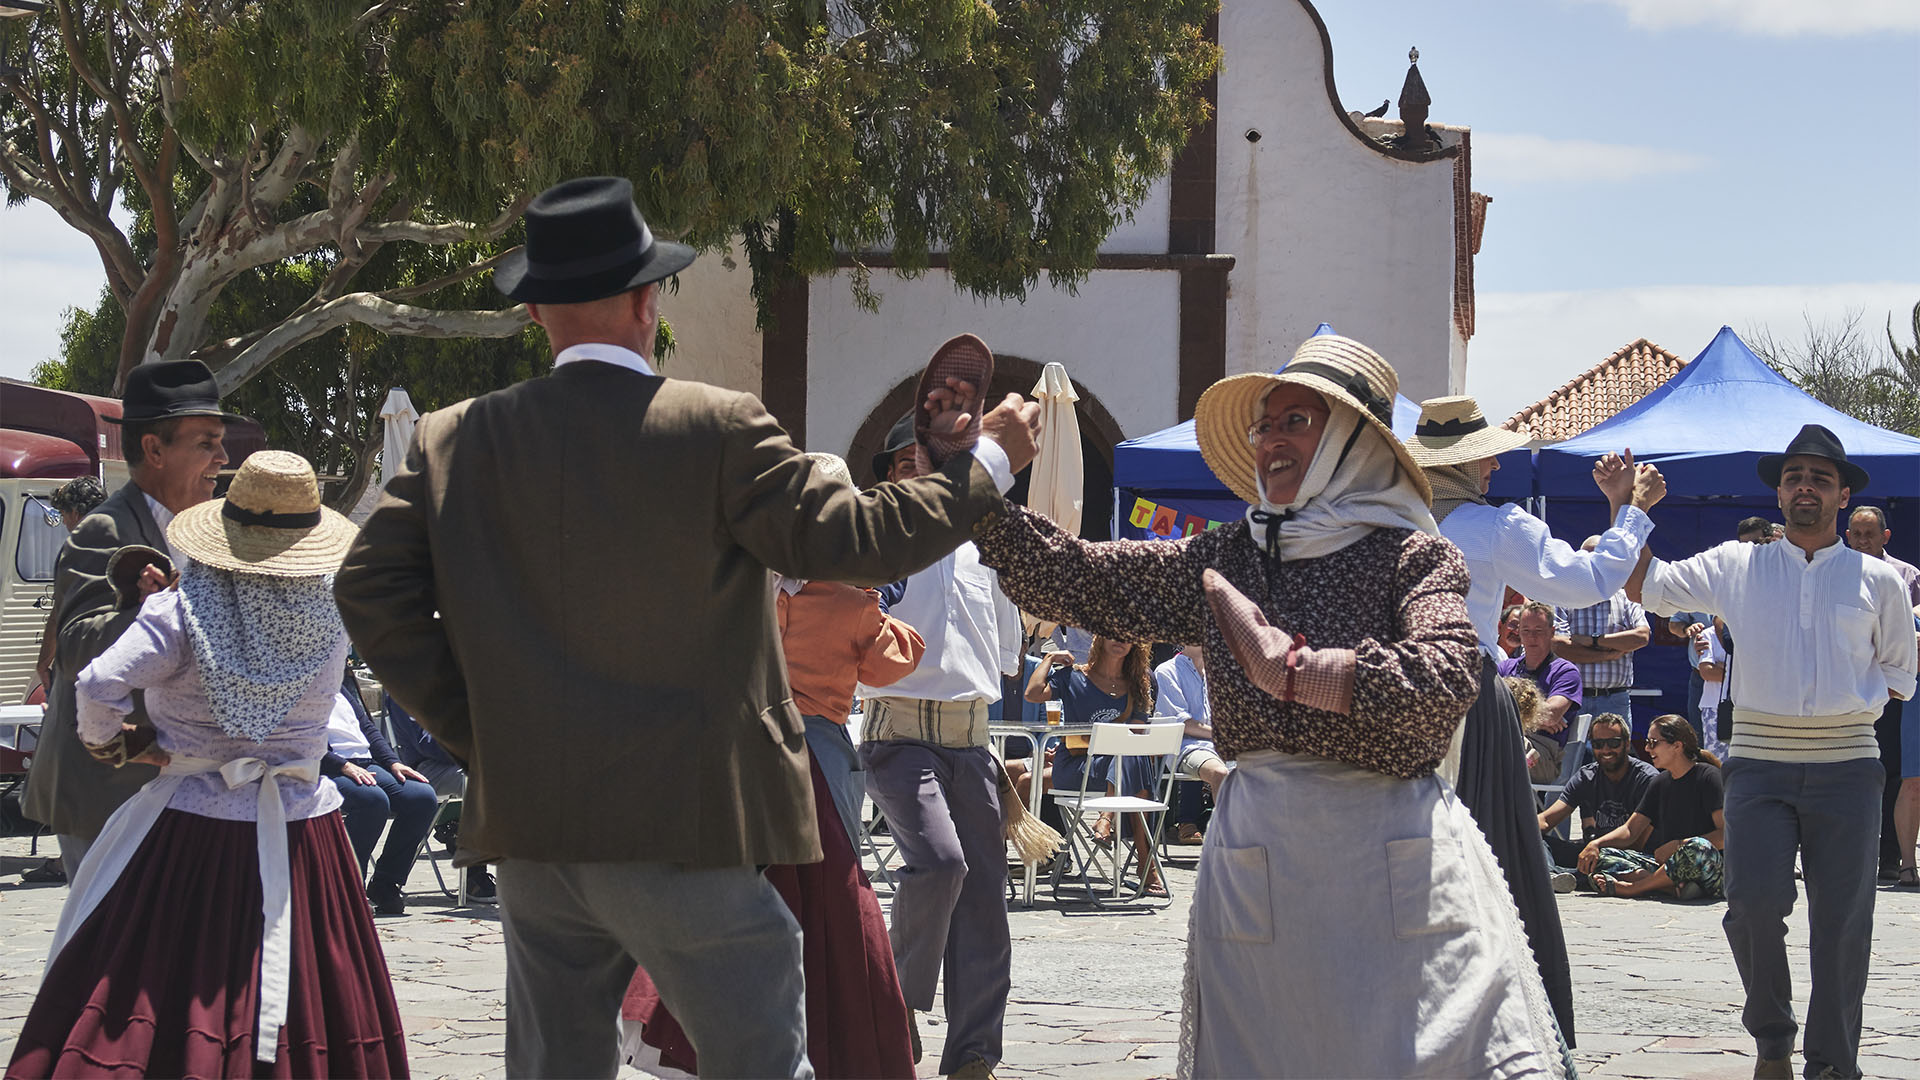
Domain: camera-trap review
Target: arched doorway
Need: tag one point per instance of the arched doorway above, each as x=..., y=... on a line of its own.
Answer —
x=1012, y=375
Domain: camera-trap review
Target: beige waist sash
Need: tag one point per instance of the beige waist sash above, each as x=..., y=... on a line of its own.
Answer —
x=954, y=724
x=1771, y=737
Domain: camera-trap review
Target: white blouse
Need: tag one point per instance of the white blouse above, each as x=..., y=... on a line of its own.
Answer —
x=155, y=656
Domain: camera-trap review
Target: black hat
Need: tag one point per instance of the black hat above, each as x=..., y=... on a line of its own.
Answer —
x=899, y=437
x=167, y=389
x=586, y=240
x=1814, y=441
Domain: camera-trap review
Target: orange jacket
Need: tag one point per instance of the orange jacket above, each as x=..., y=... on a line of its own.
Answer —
x=835, y=635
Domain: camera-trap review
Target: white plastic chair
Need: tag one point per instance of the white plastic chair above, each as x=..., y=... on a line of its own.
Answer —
x=1576, y=756
x=1119, y=741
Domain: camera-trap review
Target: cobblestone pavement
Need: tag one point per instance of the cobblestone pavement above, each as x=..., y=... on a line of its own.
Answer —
x=1097, y=994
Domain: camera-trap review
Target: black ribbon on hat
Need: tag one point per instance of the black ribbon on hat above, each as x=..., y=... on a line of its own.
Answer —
x=1437, y=429
x=1352, y=382
x=241, y=516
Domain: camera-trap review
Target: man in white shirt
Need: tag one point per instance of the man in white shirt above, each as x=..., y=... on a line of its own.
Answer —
x=924, y=749
x=1825, y=637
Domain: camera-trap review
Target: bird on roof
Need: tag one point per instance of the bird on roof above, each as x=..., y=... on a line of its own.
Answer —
x=1382, y=110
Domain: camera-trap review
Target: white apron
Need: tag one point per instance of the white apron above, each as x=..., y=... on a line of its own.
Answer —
x=1347, y=923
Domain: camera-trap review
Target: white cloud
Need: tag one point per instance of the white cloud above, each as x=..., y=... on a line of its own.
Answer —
x=45, y=267
x=1527, y=344
x=1526, y=158
x=1775, y=18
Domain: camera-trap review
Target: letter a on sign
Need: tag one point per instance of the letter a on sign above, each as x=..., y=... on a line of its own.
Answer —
x=1163, y=519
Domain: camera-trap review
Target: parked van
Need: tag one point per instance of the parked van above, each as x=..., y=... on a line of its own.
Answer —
x=48, y=437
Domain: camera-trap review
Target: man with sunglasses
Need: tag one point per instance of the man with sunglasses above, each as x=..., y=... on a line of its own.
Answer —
x=1604, y=790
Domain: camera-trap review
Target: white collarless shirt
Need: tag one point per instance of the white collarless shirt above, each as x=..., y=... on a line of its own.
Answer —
x=163, y=517
x=1829, y=636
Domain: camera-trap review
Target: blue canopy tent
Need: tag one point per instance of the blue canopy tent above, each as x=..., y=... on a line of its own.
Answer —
x=1706, y=429
x=1165, y=471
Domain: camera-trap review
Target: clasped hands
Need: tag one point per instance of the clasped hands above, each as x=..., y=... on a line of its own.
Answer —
x=1627, y=484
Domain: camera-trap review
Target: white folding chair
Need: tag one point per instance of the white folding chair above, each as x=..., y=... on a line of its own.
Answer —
x=1119, y=741
x=1576, y=756
x=458, y=894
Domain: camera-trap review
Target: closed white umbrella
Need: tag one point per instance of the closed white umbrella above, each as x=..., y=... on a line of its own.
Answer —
x=399, y=416
x=1057, y=486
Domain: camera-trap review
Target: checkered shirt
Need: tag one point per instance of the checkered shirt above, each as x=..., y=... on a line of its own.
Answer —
x=1608, y=616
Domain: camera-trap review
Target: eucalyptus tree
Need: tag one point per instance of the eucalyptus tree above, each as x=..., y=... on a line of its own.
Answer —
x=387, y=148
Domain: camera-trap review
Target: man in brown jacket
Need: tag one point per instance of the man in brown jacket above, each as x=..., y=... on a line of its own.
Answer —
x=567, y=583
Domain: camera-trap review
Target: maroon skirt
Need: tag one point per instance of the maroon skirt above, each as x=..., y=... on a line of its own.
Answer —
x=856, y=1017
x=163, y=979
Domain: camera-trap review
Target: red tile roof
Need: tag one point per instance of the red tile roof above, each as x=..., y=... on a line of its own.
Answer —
x=1608, y=387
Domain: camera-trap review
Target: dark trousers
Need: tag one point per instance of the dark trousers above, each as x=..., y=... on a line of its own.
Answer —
x=1695, y=685
x=1825, y=811
x=409, y=803
x=1886, y=731
x=951, y=909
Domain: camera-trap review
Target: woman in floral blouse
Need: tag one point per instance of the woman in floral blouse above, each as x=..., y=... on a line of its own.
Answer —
x=1342, y=888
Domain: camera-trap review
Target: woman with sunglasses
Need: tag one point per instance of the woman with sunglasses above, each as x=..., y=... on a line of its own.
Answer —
x=1674, y=841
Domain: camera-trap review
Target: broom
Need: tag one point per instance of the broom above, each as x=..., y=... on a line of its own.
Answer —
x=1033, y=839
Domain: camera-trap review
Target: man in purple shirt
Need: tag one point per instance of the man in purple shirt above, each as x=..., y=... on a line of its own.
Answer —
x=1559, y=683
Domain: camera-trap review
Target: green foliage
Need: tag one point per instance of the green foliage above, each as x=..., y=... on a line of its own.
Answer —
x=1839, y=366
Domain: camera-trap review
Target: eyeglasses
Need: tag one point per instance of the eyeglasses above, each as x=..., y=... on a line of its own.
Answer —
x=1608, y=744
x=1653, y=742
x=1294, y=422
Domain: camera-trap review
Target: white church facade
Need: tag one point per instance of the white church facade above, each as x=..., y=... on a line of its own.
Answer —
x=1286, y=211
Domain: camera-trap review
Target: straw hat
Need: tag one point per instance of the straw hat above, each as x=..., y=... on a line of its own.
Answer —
x=1337, y=368
x=1453, y=432
x=271, y=522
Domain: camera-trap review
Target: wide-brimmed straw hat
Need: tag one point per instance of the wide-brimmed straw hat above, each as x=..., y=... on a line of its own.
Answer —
x=1337, y=368
x=271, y=522
x=1452, y=431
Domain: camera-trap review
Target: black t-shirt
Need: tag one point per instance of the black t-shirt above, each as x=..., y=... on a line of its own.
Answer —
x=1684, y=807
x=1609, y=802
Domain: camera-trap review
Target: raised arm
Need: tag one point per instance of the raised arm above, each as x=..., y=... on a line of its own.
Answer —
x=1544, y=568
x=1129, y=590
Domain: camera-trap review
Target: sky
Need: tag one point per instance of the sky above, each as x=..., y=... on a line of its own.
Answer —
x=1658, y=168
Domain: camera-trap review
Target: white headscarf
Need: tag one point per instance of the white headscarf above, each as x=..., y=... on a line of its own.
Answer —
x=1353, y=485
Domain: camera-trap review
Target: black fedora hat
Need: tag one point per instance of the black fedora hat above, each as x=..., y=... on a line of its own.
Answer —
x=1814, y=441
x=899, y=437
x=170, y=388
x=586, y=240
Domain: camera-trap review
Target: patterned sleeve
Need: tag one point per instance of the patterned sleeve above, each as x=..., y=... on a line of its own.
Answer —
x=1129, y=590
x=150, y=652
x=1414, y=690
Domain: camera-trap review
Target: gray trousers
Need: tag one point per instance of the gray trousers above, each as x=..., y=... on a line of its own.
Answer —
x=1830, y=812
x=943, y=806
x=73, y=851
x=721, y=946
x=832, y=748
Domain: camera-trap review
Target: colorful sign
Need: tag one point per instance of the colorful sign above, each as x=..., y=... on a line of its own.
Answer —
x=1166, y=521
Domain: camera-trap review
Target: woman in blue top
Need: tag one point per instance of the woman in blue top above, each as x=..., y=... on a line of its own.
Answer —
x=1114, y=686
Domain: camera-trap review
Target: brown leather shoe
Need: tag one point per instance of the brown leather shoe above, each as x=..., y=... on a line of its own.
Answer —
x=973, y=1070
x=1780, y=1068
x=1189, y=834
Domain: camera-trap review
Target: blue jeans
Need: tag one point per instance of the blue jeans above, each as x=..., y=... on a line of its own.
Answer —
x=1830, y=813
x=409, y=803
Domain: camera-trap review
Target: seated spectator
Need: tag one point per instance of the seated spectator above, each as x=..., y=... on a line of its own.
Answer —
x=1180, y=693
x=1674, y=840
x=1559, y=683
x=1115, y=685
x=1605, y=791
x=1754, y=530
x=1510, y=630
x=417, y=751
x=376, y=787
